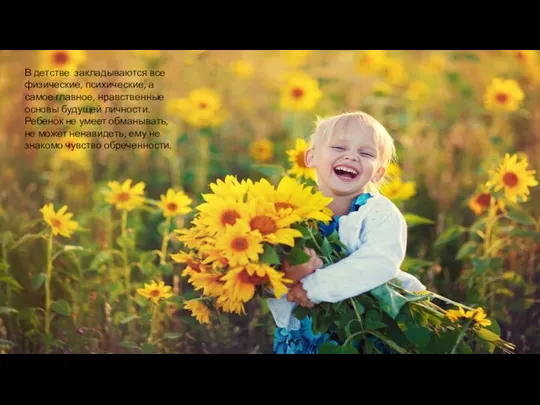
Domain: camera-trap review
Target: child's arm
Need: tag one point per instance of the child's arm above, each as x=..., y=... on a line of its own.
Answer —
x=382, y=250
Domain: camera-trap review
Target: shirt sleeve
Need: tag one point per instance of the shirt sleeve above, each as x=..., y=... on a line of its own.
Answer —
x=383, y=244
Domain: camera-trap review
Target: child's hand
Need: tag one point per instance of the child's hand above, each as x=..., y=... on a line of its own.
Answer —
x=298, y=272
x=298, y=295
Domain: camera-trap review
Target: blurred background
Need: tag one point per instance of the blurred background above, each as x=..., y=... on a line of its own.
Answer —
x=453, y=114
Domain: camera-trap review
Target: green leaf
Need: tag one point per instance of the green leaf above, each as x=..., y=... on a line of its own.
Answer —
x=11, y=281
x=390, y=300
x=466, y=250
x=172, y=335
x=413, y=219
x=526, y=233
x=513, y=278
x=65, y=249
x=126, y=241
x=326, y=249
x=449, y=234
x=359, y=307
x=38, y=280
x=417, y=335
x=6, y=342
x=482, y=264
x=487, y=339
x=301, y=312
x=411, y=264
x=269, y=170
x=373, y=320
x=8, y=310
x=453, y=77
x=129, y=319
x=297, y=256
x=303, y=229
x=147, y=348
x=328, y=348
x=519, y=215
x=270, y=255
x=464, y=348
x=61, y=307
x=128, y=344
x=346, y=349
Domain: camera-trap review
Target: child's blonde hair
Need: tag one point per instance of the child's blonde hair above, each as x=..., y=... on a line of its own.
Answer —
x=327, y=127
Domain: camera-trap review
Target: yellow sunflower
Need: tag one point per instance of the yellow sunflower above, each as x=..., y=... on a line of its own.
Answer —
x=480, y=202
x=294, y=198
x=227, y=304
x=262, y=150
x=417, y=92
x=436, y=63
x=155, y=291
x=125, y=197
x=503, y=95
x=297, y=161
x=398, y=190
x=393, y=170
x=370, y=62
x=275, y=229
x=193, y=237
x=239, y=244
x=201, y=108
x=393, y=71
x=192, y=262
x=524, y=57
x=300, y=93
x=198, y=310
x=62, y=60
x=175, y=203
x=230, y=188
x=240, y=282
x=60, y=222
x=478, y=316
x=209, y=282
x=243, y=69
x=513, y=178
x=219, y=214
x=455, y=314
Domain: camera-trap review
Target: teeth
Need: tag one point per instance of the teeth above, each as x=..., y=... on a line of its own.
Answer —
x=346, y=169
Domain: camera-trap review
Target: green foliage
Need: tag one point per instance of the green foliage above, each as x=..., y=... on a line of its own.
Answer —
x=403, y=322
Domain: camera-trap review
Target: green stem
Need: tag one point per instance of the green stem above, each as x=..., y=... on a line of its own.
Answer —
x=388, y=342
x=5, y=265
x=153, y=323
x=125, y=255
x=165, y=240
x=48, y=292
x=461, y=336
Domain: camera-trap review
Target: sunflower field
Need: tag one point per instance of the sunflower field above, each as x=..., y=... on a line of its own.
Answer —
x=122, y=173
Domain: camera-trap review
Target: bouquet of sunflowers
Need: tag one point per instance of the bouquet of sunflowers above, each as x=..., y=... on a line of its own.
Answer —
x=245, y=230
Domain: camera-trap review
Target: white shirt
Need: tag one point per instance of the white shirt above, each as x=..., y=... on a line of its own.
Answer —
x=376, y=237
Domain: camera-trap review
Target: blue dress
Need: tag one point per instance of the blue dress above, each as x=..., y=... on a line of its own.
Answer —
x=304, y=341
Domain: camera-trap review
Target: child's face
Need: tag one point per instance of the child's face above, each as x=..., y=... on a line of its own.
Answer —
x=346, y=162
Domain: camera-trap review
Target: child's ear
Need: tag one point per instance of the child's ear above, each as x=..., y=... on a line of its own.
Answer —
x=378, y=174
x=309, y=158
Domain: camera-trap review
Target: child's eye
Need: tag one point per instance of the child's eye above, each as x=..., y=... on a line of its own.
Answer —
x=338, y=148
x=368, y=154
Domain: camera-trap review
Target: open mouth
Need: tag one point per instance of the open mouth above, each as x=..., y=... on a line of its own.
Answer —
x=346, y=172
